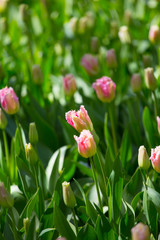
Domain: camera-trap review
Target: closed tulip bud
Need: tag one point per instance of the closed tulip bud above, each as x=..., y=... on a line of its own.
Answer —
x=86, y=144
x=140, y=232
x=33, y=134
x=136, y=82
x=154, y=34
x=150, y=79
x=124, y=35
x=128, y=16
x=114, y=29
x=6, y=199
x=3, y=120
x=68, y=195
x=158, y=124
x=90, y=19
x=73, y=24
x=105, y=89
x=31, y=154
x=82, y=25
x=155, y=158
x=9, y=100
x=90, y=64
x=94, y=44
x=23, y=8
x=37, y=75
x=69, y=85
x=3, y=5
x=147, y=61
x=143, y=159
x=111, y=58
x=26, y=223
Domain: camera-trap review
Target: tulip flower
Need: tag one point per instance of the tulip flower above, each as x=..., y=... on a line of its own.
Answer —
x=155, y=158
x=9, y=100
x=90, y=64
x=69, y=84
x=124, y=35
x=37, y=75
x=68, y=195
x=105, y=89
x=150, y=79
x=143, y=159
x=111, y=58
x=136, y=82
x=86, y=144
x=33, y=134
x=154, y=34
x=158, y=124
x=140, y=232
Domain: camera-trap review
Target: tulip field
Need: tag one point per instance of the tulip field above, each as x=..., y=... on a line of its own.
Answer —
x=80, y=120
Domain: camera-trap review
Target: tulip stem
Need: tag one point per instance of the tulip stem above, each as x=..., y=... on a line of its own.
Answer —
x=75, y=220
x=113, y=128
x=96, y=182
x=155, y=104
x=6, y=148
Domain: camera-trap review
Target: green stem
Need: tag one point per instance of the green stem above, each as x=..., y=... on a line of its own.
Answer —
x=155, y=105
x=96, y=182
x=75, y=220
x=6, y=148
x=102, y=170
x=113, y=128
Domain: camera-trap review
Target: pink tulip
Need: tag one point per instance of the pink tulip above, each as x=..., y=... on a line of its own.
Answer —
x=79, y=120
x=154, y=34
x=69, y=84
x=158, y=124
x=9, y=100
x=86, y=144
x=140, y=232
x=111, y=58
x=155, y=158
x=105, y=89
x=90, y=63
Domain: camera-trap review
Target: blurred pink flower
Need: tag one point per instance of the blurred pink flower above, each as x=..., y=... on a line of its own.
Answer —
x=155, y=158
x=9, y=100
x=111, y=58
x=79, y=120
x=69, y=84
x=154, y=34
x=158, y=124
x=90, y=63
x=136, y=82
x=105, y=89
x=140, y=232
x=86, y=144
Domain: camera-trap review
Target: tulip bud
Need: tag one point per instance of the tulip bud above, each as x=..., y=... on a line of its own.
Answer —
x=94, y=44
x=158, y=124
x=155, y=158
x=86, y=144
x=90, y=19
x=114, y=28
x=69, y=85
x=3, y=120
x=82, y=25
x=111, y=58
x=136, y=82
x=61, y=238
x=150, y=79
x=143, y=159
x=31, y=154
x=37, y=75
x=105, y=89
x=6, y=199
x=128, y=16
x=140, y=232
x=147, y=61
x=73, y=24
x=3, y=5
x=33, y=134
x=9, y=100
x=124, y=35
x=154, y=34
x=23, y=8
x=68, y=195
x=26, y=224
x=90, y=64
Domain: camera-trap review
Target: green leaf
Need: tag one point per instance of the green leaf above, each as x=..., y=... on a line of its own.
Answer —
x=32, y=230
x=108, y=138
x=62, y=225
x=148, y=127
x=133, y=187
x=126, y=149
x=87, y=232
x=154, y=196
x=45, y=231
